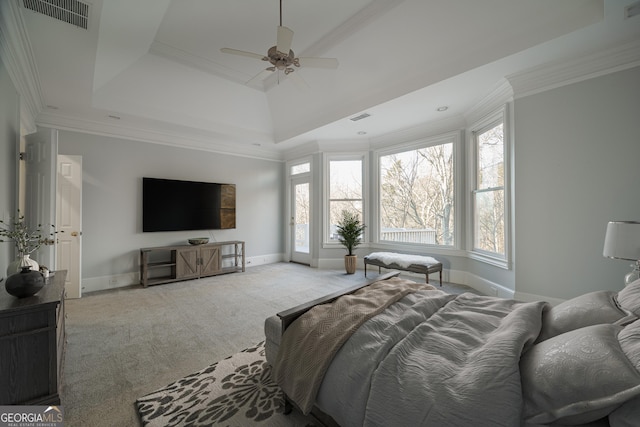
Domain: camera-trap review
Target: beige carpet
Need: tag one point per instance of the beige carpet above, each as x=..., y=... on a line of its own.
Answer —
x=126, y=343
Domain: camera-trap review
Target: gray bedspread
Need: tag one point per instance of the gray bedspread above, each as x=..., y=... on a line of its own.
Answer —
x=442, y=360
x=310, y=343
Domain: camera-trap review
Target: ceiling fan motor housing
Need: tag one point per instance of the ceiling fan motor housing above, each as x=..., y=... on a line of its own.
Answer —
x=281, y=61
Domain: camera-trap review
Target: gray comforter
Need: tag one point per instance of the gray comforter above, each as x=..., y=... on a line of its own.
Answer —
x=433, y=361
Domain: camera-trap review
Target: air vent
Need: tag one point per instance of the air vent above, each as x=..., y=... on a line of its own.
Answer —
x=360, y=117
x=70, y=11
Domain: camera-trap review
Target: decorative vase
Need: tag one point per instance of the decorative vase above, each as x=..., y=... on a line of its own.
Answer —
x=24, y=261
x=350, y=263
x=24, y=284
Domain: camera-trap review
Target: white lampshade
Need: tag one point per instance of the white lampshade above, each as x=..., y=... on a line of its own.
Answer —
x=622, y=240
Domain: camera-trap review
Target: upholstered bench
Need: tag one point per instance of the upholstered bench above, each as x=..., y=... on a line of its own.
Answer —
x=413, y=263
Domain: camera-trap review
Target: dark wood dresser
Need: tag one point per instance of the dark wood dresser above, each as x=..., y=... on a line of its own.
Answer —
x=32, y=345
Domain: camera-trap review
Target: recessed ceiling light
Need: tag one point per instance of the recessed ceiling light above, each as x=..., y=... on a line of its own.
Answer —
x=111, y=116
x=443, y=108
x=53, y=107
x=362, y=132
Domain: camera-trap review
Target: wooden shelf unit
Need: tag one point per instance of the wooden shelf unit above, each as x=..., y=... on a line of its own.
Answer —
x=165, y=264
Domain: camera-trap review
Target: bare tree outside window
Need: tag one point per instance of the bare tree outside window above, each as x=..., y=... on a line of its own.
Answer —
x=417, y=196
x=345, y=191
x=489, y=213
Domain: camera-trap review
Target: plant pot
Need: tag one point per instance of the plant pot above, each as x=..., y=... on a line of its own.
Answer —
x=24, y=284
x=24, y=261
x=350, y=263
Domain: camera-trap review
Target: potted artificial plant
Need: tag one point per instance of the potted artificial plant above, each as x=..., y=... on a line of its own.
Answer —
x=349, y=230
x=26, y=241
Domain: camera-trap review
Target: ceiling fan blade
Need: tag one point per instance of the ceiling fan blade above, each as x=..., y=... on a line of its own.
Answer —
x=242, y=53
x=257, y=79
x=330, y=63
x=298, y=81
x=285, y=38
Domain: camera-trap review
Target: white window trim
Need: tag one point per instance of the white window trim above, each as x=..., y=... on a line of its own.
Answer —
x=504, y=114
x=327, y=158
x=290, y=164
x=458, y=170
x=288, y=185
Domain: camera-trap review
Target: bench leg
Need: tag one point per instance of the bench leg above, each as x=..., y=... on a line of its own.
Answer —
x=440, y=277
x=427, y=278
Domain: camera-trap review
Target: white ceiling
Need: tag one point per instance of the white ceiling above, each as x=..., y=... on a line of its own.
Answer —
x=153, y=69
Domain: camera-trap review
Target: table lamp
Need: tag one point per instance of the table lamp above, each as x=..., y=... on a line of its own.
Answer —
x=622, y=241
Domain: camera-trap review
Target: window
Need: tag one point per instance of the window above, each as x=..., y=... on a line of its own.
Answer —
x=417, y=195
x=489, y=195
x=345, y=191
x=300, y=168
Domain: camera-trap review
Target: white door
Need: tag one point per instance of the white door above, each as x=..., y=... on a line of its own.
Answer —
x=69, y=225
x=300, y=220
x=41, y=150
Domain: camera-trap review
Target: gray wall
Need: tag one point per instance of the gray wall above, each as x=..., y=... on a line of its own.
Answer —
x=9, y=134
x=577, y=166
x=112, y=188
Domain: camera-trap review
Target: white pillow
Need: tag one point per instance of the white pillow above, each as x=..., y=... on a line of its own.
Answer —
x=577, y=377
x=594, y=308
x=629, y=297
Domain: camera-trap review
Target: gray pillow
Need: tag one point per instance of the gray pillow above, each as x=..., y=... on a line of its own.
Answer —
x=577, y=377
x=629, y=297
x=629, y=339
x=627, y=415
x=594, y=308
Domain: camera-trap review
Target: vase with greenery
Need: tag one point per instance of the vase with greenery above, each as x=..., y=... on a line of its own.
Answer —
x=26, y=241
x=349, y=230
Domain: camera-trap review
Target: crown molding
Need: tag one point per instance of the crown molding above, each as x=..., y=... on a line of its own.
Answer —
x=494, y=100
x=429, y=129
x=15, y=49
x=560, y=73
x=179, y=137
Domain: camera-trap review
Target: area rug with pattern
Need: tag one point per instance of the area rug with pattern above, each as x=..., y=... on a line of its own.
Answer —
x=234, y=392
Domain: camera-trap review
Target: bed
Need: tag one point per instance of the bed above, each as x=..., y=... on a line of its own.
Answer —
x=396, y=352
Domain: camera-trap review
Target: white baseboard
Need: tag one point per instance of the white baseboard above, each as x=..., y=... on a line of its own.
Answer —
x=103, y=283
x=264, y=259
x=487, y=287
x=478, y=283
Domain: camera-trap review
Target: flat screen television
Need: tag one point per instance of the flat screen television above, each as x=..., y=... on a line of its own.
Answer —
x=172, y=205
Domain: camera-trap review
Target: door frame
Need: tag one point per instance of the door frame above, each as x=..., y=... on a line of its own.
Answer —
x=294, y=256
x=68, y=202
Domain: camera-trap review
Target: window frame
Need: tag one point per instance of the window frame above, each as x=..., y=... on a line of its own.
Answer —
x=326, y=226
x=501, y=115
x=456, y=139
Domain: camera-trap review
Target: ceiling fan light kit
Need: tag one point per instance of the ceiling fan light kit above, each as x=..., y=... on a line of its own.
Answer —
x=281, y=57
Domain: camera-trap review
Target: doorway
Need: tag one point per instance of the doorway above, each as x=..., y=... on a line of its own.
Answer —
x=301, y=220
x=69, y=218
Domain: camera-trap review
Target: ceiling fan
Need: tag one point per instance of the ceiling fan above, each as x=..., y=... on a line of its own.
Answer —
x=281, y=57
